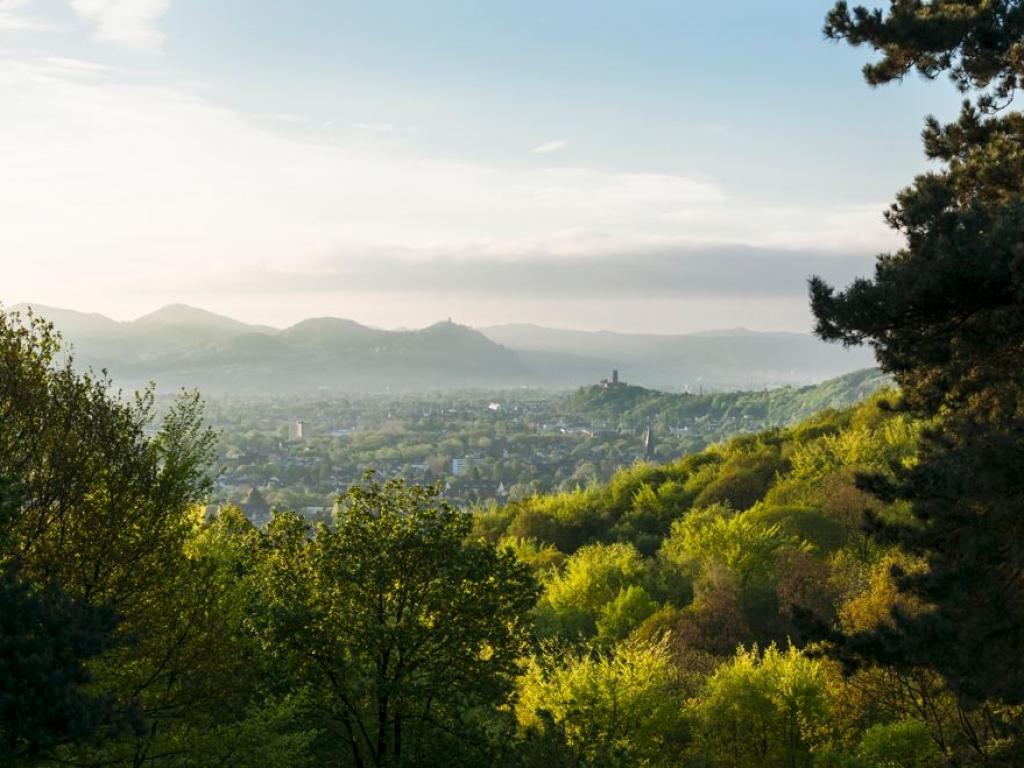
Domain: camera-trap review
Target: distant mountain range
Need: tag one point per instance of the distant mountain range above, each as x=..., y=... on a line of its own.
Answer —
x=180, y=346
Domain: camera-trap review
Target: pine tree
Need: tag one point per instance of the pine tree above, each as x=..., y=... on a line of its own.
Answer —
x=945, y=315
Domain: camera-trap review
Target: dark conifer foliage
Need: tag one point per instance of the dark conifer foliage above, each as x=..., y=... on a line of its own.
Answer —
x=968, y=496
x=945, y=315
x=978, y=42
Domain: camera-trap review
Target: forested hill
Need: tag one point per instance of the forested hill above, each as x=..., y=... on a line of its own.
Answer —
x=655, y=620
x=690, y=578
x=798, y=477
x=182, y=346
x=628, y=405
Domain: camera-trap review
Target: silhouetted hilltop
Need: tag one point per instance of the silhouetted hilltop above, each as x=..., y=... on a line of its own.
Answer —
x=183, y=346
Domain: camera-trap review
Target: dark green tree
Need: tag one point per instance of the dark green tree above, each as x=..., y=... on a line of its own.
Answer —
x=945, y=315
x=977, y=42
x=106, y=506
x=46, y=638
x=107, y=494
x=408, y=629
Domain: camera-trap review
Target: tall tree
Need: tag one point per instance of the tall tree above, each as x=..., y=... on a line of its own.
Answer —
x=405, y=626
x=105, y=509
x=945, y=315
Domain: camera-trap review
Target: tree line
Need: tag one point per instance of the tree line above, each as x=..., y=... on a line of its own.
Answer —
x=844, y=592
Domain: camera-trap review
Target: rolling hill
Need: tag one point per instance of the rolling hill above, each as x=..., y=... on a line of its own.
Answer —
x=633, y=406
x=182, y=346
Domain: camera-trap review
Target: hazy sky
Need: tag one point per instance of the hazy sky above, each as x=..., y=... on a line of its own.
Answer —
x=660, y=166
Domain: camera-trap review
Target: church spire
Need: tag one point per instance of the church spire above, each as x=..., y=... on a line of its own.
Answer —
x=649, y=442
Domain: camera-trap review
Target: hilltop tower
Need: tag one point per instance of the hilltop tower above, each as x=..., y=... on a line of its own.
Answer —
x=613, y=382
x=649, y=442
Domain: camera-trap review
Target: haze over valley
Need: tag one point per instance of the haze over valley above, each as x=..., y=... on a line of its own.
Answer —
x=180, y=346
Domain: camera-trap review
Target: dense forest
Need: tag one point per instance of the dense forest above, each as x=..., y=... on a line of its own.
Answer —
x=614, y=625
x=843, y=592
x=660, y=619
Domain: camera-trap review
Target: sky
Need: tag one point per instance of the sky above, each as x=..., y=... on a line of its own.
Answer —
x=636, y=166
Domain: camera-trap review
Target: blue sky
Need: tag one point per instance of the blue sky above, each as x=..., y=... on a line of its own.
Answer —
x=276, y=160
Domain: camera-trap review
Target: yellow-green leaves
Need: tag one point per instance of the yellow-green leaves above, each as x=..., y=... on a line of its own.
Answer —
x=622, y=708
x=764, y=708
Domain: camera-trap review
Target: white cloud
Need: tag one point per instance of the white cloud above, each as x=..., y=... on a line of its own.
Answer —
x=113, y=188
x=549, y=147
x=128, y=22
x=14, y=19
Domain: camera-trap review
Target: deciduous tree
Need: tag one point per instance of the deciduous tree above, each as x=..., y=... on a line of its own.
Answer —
x=405, y=626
